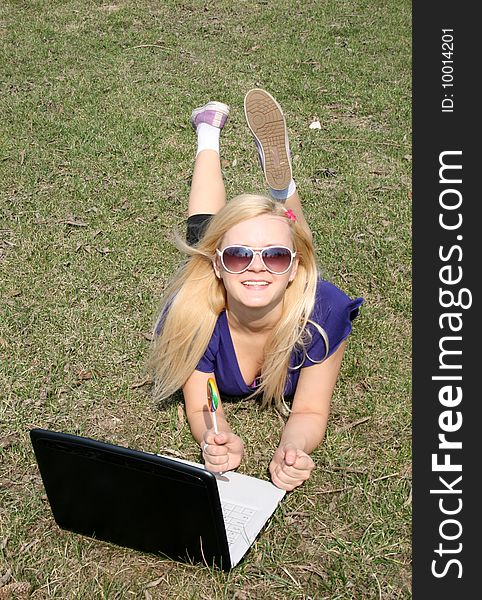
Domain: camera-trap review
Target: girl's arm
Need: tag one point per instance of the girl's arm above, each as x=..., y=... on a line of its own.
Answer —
x=222, y=451
x=306, y=425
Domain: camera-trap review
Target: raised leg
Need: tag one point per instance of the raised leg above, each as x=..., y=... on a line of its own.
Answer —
x=267, y=124
x=207, y=194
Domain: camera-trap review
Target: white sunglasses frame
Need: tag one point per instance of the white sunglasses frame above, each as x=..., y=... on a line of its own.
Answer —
x=256, y=251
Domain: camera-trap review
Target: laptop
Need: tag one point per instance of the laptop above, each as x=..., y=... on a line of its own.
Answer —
x=150, y=502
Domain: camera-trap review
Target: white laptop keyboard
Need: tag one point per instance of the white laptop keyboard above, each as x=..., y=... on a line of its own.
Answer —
x=235, y=518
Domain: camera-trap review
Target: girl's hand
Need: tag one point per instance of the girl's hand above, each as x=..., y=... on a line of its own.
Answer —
x=290, y=467
x=222, y=451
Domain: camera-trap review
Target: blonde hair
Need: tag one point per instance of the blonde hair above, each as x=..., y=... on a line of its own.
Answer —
x=195, y=297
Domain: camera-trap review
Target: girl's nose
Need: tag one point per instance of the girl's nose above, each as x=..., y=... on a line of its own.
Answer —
x=257, y=264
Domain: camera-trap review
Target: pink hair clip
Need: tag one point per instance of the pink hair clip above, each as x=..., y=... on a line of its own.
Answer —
x=290, y=214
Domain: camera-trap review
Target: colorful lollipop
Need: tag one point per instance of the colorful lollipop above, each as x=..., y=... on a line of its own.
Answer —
x=213, y=401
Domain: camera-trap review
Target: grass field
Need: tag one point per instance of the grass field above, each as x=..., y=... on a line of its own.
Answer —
x=95, y=159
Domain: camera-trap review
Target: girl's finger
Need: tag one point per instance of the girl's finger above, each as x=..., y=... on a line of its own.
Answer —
x=303, y=463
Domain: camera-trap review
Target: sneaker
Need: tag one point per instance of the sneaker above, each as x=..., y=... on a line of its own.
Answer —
x=212, y=113
x=267, y=124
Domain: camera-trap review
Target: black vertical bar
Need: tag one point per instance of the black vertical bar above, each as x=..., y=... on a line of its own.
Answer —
x=446, y=230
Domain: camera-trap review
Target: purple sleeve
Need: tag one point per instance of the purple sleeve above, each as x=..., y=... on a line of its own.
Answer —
x=208, y=359
x=334, y=312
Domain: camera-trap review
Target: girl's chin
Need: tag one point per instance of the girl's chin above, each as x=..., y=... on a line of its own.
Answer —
x=256, y=289
x=256, y=299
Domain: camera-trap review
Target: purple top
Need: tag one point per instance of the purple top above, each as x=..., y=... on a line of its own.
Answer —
x=333, y=310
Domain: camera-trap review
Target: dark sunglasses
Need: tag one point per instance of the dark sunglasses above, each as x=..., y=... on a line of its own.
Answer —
x=237, y=259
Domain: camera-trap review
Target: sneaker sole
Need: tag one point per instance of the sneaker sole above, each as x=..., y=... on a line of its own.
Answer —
x=267, y=124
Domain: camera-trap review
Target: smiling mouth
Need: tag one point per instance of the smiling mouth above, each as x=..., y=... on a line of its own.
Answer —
x=255, y=283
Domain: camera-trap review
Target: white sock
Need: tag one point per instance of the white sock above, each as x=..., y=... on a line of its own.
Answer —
x=207, y=137
x=281, y=195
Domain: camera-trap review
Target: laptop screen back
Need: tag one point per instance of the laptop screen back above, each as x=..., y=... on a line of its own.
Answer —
x=131, y=498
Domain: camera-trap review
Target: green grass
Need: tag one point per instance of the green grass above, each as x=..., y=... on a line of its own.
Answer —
x=95, y=158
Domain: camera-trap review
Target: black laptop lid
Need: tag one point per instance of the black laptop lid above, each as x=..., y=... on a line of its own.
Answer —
x=131, y=498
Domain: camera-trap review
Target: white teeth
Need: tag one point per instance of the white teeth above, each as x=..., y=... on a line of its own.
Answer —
x=255, y=283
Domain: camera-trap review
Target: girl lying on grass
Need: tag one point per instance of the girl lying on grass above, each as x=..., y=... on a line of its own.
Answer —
x=249, y=308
